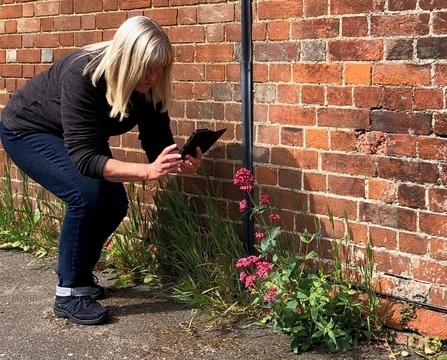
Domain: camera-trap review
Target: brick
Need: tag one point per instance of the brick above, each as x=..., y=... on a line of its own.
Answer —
x=87, y=37
x=392, y=264
x=367, y=96
x=200, y=110
x=46, y=8
x=401, y=74
x=28, y=56
x=383, y=190
x=266, y=175
x=407, y=170
x=343, y=118
x=293, y=157
x=214, y=72
x=46, y=40
x=214, y=52
x=440, y=23
x=440, y=123
x=267, y=134
x=388, y=215
x=188, y=16
x=315, y=182
x=280, y=72
x=356, y=50
x=432, y=48
x=400, y=49
x=397, y=98
x=278, y=30
x=187, y=34
x=401, y=5
x=339, y=207
x=438, y=249
x=66, y=6
x=351, y=164
x=317, y=73
x=400, y=25
x=284, y=51
x=431, y=4
x=316, y=8
x=215, y=13
x=7, y=70
x=440, y=74
x=437, y=198
x=315, y=28
x=346, y=186
x=291, y=136
x=10, y=11
x=357, y=73
x=425, y=99
x=432, y=148
x=47, y=24
x=288, y=94
x=282, y=9
x=429, y=271
x=434, y=224
x=66, y=39
x=401, y=145
x=183, y=90
x=380, y=237
x=184, y=53
x=290, y=179
x=260, y=73
x=312, y=94
x=292, y=115
x=411, y=195
x=66, y=23
x=354, y=26
x=401, y=123
x=28, y=25
x=214, y=33
x=339, y=7
x=188, y=72
x=342, y=140
x=134, y=4
x=109, y=5
x=317, y=138
x=339, y=96
x=438, y=296
x=313, y=51
x=10, y=41
x=88, y=22
x=110, y=20
x=202, y=91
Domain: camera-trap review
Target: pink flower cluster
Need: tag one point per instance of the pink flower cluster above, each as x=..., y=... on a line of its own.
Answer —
x=243, y=205
x=244, y=179
x=271, y=295
x=264, y=200
x=262, y=269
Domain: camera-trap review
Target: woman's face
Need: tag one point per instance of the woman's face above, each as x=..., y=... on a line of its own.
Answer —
x=149, y=79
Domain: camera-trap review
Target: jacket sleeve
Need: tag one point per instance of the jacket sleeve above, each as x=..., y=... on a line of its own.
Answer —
x=83, y=134
x=155, y=132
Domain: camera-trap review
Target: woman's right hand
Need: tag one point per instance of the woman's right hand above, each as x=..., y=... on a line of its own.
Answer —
x=167, y=162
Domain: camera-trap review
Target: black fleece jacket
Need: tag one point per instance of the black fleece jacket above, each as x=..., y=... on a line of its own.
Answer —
x=63, y=102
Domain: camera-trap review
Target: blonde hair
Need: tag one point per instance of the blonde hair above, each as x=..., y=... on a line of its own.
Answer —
x=139, y=44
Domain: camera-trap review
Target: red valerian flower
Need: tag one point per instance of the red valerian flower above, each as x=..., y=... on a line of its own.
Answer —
x=244, y=179
x=250, y=281
x=271, y=294
x=259, y=235
x=264, y=200
x=274, y=217
x=243, y=205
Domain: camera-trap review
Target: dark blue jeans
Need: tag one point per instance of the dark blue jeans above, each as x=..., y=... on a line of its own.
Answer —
x=95, y=207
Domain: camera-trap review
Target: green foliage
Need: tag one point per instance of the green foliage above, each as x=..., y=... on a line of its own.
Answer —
x=195, y=249
x=28, y=223
x=327, y=309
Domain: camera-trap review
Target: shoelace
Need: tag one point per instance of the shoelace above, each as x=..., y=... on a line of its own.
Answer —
x=78, y=303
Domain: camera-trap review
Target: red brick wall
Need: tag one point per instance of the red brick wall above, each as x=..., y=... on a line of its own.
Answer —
x=349, y=108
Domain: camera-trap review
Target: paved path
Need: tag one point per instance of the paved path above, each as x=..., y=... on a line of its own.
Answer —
x=141, y=326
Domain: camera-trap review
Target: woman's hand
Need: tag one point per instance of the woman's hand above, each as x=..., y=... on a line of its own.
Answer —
x=169, y=161
x=191, y=165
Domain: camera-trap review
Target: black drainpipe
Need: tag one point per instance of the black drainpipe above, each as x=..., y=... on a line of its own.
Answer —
x=247, y=113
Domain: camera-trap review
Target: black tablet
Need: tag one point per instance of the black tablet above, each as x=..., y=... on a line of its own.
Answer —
x=203, y=138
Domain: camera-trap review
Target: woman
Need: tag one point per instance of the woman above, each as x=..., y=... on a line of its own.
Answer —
x=57, y=127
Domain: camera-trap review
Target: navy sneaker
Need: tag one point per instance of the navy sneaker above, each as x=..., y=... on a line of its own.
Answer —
x=82, y=310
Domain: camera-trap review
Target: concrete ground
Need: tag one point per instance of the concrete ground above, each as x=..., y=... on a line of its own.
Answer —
x=141, y=326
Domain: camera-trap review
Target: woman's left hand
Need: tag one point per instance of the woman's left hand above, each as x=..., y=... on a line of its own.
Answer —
x=191, y=165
